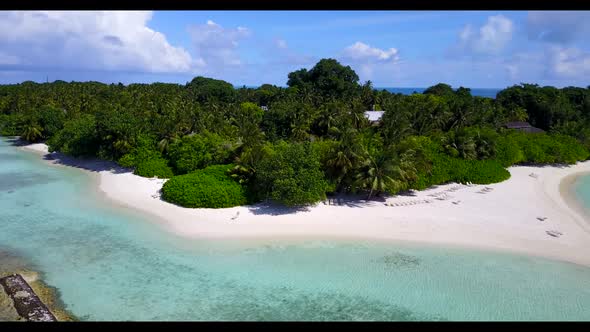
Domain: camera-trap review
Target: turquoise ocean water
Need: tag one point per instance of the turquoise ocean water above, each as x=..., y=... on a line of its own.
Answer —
x=110, y=264
x=581, y=190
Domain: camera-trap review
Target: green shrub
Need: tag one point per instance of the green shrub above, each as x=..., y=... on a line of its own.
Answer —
x=219, y=172
x=444, y=168
x=144, y=150
x=547, y=148
x=478, y=171
x=198, y=151
x=510, y=148
x=534, y=148
x=508, y=152
x=569, y=150
x=157, y=167
x=127, y=160
x=207, y=188
x=292, y=175
x=325, y=149
x=146, y=159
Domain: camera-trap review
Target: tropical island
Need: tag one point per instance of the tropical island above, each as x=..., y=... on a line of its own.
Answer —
x=213, y=160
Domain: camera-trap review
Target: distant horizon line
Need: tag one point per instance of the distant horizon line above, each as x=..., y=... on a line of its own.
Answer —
x=375, y=87
x=379, y=87
x=238, y=86
x=285, y=86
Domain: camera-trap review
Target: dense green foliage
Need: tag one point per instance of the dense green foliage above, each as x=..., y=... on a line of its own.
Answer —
x=77, y=138
x=193, y=152
x=211, y=187
x=204, y=90
x=327, y=77
x=291, y=174
x=435, y=165
x=157, y=167
x=146, y=159
x=545, y=149
x=448, y=169
x=296, y=145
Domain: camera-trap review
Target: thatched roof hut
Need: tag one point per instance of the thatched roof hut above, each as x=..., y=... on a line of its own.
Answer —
x=523, y=126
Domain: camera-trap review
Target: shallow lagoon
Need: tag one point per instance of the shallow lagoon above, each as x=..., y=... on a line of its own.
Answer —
x=108, y=263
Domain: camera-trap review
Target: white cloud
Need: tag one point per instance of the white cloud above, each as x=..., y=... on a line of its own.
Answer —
x=364, y=53
x=368, y=61
x=115, y=40
x=569, y=63
x=217, y=46
x=569, y=66
x=490, y=38
x=553, y=65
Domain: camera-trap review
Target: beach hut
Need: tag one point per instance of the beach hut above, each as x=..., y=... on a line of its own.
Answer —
x=523, y=126
x=374, y=117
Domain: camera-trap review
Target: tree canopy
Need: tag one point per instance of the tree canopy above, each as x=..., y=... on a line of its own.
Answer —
x=298, y=144
x=327, y=78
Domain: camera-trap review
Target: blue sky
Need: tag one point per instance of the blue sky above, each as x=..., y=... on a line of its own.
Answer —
x=390, y=48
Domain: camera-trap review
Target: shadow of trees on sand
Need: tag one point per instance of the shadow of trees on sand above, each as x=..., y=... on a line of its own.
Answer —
x=274, y=209
x=89, y=164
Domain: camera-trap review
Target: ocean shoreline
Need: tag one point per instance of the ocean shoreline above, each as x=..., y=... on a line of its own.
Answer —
x=566, y=188
x=490, y=229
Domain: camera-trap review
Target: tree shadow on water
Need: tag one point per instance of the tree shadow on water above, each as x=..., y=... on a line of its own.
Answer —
x=89, y=164
x=15, y=141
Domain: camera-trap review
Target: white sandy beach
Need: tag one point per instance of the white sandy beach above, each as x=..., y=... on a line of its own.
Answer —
x=503, y=218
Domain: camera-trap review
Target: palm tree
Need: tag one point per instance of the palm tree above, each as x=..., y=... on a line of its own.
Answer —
x=340, y=164
x=249, y=133
x=426, y=113
x=357, y=113
x=122, y=146
x=485, y=142
x=164, y=143
x=366, y=96
x=460, y=144
x=396, y=120
x=517, y=114
x=345, y=156
x=31, y=132
x=300, y=124
x=382, y=173
x=247, y=162
x=327, y=119
x=461, y=113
